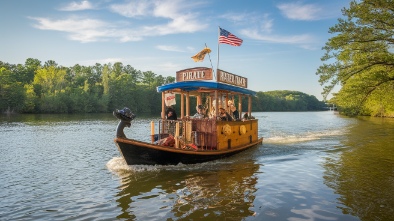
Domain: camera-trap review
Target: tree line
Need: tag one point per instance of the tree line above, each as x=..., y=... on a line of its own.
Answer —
x=34, y=87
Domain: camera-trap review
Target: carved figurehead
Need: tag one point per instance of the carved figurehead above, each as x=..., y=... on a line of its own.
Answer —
x=125, y=116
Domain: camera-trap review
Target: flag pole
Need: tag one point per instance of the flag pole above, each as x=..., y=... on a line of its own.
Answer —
x=217, y=65
x=210, y=61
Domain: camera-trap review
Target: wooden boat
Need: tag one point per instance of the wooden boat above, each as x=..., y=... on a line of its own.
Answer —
x=189, y=139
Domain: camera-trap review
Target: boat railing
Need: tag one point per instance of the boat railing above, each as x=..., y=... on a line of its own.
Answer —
x=200, y=133
x=204, y=132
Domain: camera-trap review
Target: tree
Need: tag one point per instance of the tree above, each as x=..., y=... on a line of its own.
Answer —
x=12, y=93
x=31, y=65
x=159, y=80
x=135, y=74
x=97, y=71
x=360, y=57
x=285, y=100
x=51, y=79
x=50, y=63
x=169, y=79
x=148, y=78
x=117, y=69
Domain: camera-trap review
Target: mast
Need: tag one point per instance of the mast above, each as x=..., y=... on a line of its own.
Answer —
x=217, y=65
x=210, y=61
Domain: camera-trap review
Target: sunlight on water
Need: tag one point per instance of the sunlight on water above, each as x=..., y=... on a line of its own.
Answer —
x=313, y=213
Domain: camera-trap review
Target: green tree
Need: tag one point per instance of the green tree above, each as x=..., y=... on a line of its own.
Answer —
x=97, y=71
x=31, y=100
x=51, y=79
x=285, y=100
x=360, y=58
x=50, y=63
x=135, y=74
x=117, y=69
x=105, y=79
x=12, y=92
x=148, y=78
x=159, y=80
x=169, y=79
x=31, y=65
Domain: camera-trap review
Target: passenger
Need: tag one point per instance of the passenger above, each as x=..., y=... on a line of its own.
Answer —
x=224, y=115
x=212, y=114
x=200, y=112
x=234, y=111
x=246, y=116
x=171, y=114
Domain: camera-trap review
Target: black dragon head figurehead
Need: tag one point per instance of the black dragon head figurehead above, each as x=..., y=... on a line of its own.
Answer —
x=125, y=116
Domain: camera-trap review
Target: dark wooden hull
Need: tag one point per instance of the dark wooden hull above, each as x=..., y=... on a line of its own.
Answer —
x=141, y=153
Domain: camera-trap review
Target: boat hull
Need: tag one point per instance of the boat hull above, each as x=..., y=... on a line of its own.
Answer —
x=141, y=153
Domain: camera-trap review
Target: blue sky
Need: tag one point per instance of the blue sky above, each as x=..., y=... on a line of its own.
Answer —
x=281, y=50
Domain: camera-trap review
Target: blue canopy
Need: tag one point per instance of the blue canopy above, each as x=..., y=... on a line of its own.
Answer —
x=197, y=85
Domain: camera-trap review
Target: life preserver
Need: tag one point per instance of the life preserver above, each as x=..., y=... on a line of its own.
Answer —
x=226, y=129
x=242, y=129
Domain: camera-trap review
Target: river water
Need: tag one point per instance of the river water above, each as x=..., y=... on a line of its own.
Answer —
x=311, y=166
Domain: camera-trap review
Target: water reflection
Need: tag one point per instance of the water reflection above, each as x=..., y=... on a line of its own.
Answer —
x=211, y=191
x=362, y=172
x=53, y=119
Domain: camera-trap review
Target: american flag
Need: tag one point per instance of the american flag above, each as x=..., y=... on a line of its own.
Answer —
x=228, y=38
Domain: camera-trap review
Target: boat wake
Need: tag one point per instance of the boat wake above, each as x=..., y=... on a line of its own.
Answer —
x=283, y=138
x=119, y=166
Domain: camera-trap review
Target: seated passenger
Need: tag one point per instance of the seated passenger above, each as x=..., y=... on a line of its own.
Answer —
x=224, y=115
x=200, y=112
x=171, y=114
x=212, y=113
x=234, y=111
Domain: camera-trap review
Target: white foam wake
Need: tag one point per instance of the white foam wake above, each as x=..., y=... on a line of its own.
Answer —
x=304, y=137
x=117, y=164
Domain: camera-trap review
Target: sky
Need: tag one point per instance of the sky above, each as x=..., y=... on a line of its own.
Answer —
x=281, y=49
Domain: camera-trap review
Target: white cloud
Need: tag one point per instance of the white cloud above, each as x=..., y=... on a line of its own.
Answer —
x=164, y=69
x=267, y=24
x=241, y=18
x=91, y=30
x=178, y=19
x=68, y=25
x=169, y=48
x=262, y=27
x=304, y=40
x=169, y=67
x=297, y=11
x=79, y=29
x=190, y=48
x=177, y=14
x=160, y=9
x=77, y=6
x=133, y=8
